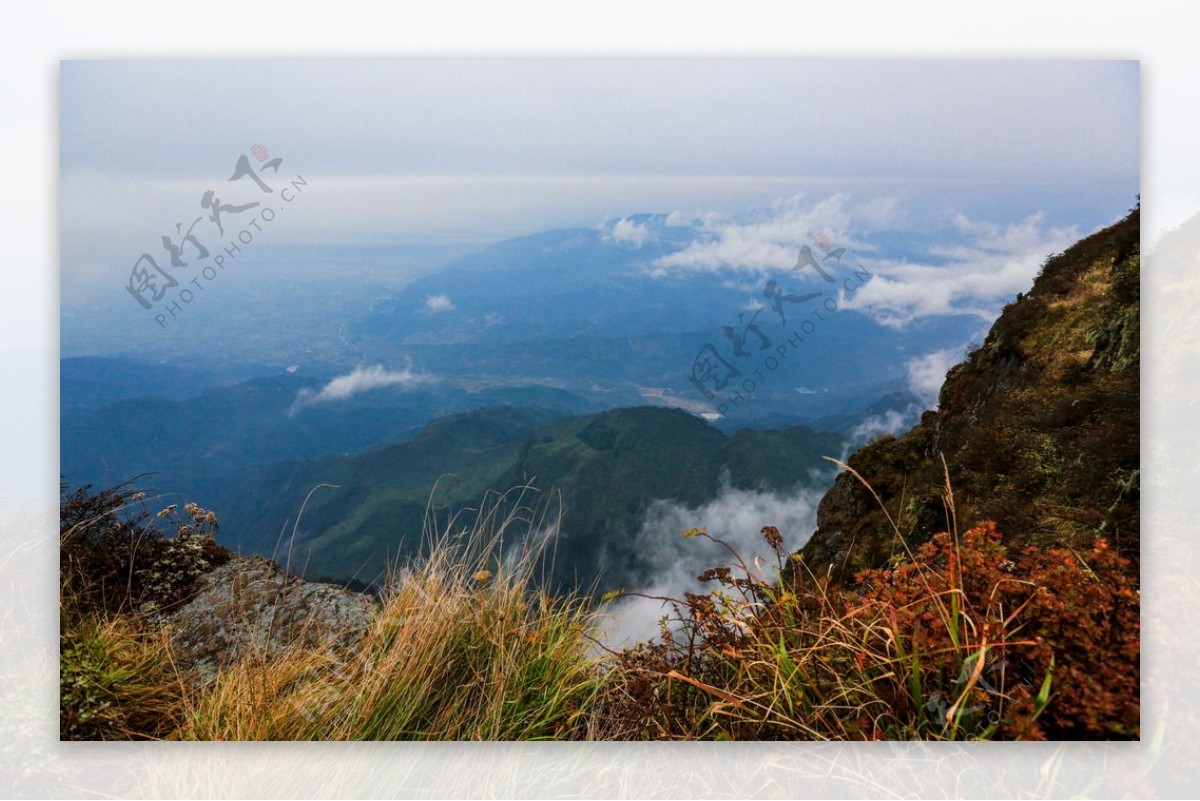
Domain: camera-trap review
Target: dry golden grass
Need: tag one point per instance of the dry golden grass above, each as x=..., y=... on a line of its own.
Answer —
x=464, y=647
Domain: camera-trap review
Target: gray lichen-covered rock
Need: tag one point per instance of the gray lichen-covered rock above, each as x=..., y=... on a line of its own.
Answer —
x=252, y=606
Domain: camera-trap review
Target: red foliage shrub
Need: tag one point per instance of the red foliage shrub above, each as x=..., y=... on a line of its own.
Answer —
x=1048, y=612
x=958, y=641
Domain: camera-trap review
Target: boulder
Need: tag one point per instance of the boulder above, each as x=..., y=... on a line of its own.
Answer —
x=253, y=607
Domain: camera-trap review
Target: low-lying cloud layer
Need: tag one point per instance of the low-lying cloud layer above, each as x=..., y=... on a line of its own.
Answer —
x=361, y=379
x=927, y=373
x=734, y=516
x=893, y=422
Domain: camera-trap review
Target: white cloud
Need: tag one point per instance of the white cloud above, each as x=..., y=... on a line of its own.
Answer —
x=927, y=373
x=680, y=219
x=892, y=422
x=438, y=303
x=734, y=516
x=774, y=242
x=977, y=267
x=627, y=232
x=362, y=379
x=975, y=277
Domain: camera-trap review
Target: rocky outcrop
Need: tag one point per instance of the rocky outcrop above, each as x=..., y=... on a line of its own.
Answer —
x=1038, y=428
x=253, y=607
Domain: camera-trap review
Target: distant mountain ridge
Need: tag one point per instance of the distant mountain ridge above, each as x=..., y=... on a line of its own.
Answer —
x=192, y=440
x=587, y=309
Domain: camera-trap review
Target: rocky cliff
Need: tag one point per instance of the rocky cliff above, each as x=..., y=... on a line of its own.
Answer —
x=1038, y=428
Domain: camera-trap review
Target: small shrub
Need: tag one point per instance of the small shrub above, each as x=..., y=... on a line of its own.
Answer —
x=113, y=558
x=954, y=641
x=173, y=564
x=117, y=677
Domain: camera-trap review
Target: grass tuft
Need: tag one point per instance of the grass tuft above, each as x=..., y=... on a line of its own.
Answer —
x=464, y=647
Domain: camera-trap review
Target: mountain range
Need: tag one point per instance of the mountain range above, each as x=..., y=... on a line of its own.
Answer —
x=563, y=359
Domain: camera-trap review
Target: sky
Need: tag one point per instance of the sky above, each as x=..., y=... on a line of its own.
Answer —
x=901, y=120
x=470, y=152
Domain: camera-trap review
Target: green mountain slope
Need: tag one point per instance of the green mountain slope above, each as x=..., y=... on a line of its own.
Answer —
x=1038, y=428
x=376, y=507
x=607, y=468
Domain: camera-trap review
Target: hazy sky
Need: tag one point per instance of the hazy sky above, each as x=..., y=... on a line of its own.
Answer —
x=428, y=151
x=899, y=120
